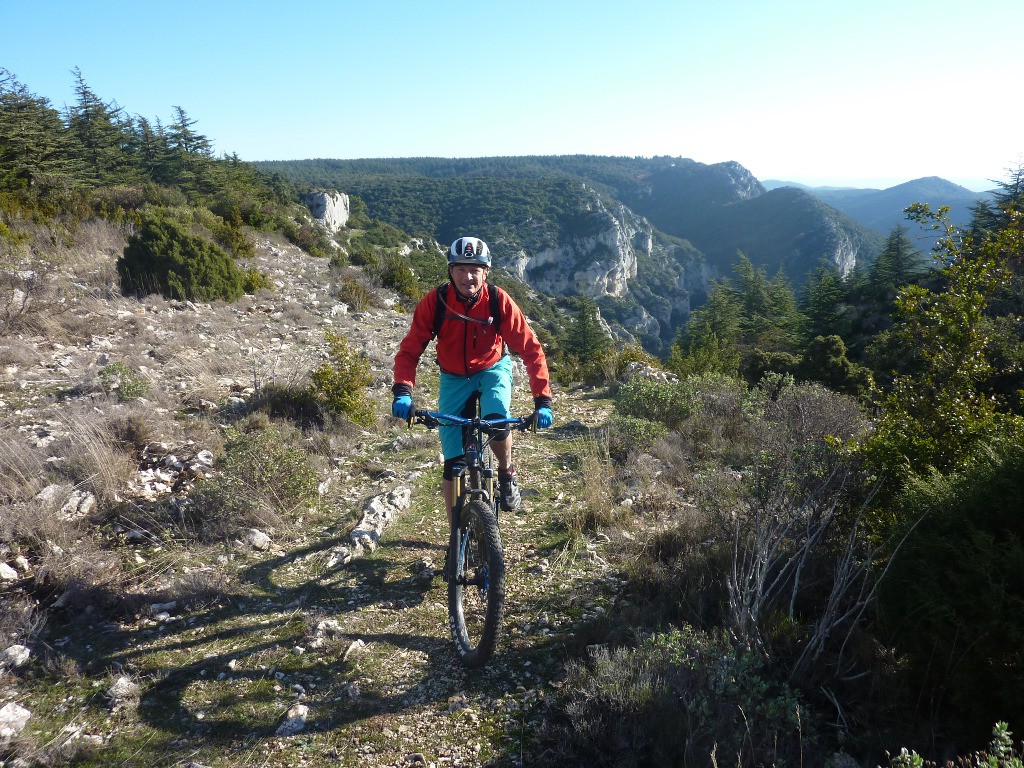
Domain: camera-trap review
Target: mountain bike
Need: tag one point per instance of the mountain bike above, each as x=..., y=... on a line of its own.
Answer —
x=475, y=565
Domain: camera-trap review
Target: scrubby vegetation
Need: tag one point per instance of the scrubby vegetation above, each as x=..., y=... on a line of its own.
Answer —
x=871, y=566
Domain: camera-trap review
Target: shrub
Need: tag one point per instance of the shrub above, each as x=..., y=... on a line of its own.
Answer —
x=685, y=697
x=162, y=257
x=230, y=235
x=628, y=434
x=393, y=271
x=1000, y=754
x=384, y=235
x=262, y=481
x=665, y=402
x=953, y=602
x=633, y=354
x=758, y=362
x=312, y=238
x=340, y=383
x=825, y=361
x=297, y=404
x=119, y=379
x=355, y=294
x=363, y=254
x=720, y=425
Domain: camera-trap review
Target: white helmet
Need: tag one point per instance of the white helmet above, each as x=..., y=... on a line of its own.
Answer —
x=470, y=250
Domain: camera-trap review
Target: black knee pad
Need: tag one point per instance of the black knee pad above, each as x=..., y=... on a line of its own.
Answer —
x=499, y=434
x=453, y=467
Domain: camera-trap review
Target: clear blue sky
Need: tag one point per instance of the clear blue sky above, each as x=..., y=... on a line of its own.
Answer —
x=871, y=93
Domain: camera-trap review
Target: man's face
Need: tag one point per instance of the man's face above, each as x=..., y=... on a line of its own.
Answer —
x=468, y=278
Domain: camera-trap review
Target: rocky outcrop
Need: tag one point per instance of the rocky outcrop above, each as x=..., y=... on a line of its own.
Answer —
x=329, y=208
x=844, y=252
x=598, y=262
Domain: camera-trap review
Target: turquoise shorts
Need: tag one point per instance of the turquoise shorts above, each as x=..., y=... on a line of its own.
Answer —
x=494, y=386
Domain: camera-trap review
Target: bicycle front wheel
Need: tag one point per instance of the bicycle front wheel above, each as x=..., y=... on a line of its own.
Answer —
x=476, y=588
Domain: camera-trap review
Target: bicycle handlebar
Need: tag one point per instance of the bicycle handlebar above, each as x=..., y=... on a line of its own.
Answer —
x=430, y=420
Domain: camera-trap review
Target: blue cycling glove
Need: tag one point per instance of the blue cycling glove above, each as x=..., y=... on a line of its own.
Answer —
x=544, y=417
x=401, y=408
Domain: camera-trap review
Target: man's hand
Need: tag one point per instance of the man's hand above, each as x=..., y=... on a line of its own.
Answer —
x=543, y=417
x=401, y=407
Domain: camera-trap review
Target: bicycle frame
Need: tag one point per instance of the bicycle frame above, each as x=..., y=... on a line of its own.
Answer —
x=475, y=566
x=481, y=434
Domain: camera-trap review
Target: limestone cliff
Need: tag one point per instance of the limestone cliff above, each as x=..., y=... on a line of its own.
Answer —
x=329, y=208
x=599, y=259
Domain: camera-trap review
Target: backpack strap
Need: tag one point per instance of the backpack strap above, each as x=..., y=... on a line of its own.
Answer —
x=494, y=302
x=442, y=305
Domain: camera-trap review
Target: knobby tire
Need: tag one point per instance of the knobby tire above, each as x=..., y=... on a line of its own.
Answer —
x=476, y=589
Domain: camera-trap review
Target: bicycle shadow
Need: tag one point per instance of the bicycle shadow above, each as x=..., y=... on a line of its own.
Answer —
x=224, y=661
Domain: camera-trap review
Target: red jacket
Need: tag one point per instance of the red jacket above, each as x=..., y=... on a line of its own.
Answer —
x=465, y=347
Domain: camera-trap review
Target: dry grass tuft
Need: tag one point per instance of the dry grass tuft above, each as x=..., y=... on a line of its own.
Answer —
x=21, y=470
x=20, y=619
x=596, y=508
x=94, y=458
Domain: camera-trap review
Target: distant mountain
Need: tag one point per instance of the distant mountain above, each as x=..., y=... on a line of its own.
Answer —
x=722, y=210
x=881, y=210
x=644, y=236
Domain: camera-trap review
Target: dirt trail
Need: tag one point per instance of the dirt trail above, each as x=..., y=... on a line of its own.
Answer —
x=362, y=652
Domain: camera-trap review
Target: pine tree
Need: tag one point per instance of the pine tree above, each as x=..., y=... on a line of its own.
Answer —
x=34, y=146
x=586, y=339
x=191, y=153
x=103, y=136
x=710, y=340
x=824, y=303
x=898, y=264
x=152, y=152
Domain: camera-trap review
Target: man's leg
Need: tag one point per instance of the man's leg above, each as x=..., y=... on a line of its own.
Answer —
x=495, y=401
x=503, y=453
x=454, y=392
x=449, y=499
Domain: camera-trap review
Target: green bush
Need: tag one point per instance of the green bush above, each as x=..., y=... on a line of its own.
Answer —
x=312, y=238
x=261, y=480
x=685, y=697
x=230, y=235
x=340, y=383
x=296, y=404
x=758, y=362
x=645, y=398
x=120, y=379
x=393, y=271
x=384, y=235
x=630, y=433
x=825, y=361
x=253, y=281
x=1000, y=754
x=355, y=294
x=953, y=601
x=163, y=257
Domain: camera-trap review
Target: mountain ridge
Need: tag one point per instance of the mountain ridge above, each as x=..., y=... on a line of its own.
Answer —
x=881, y=210
x=698, y=215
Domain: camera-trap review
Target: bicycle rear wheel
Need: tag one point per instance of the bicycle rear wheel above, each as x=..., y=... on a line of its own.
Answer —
x=476, y=588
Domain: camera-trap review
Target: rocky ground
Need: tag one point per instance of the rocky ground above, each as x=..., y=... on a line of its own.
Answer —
x=326, y=643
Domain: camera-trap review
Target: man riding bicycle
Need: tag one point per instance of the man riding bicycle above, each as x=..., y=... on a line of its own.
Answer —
x=476, y=324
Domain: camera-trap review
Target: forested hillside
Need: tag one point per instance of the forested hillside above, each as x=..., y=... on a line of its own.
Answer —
x=791, y=537
x=680, y=197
